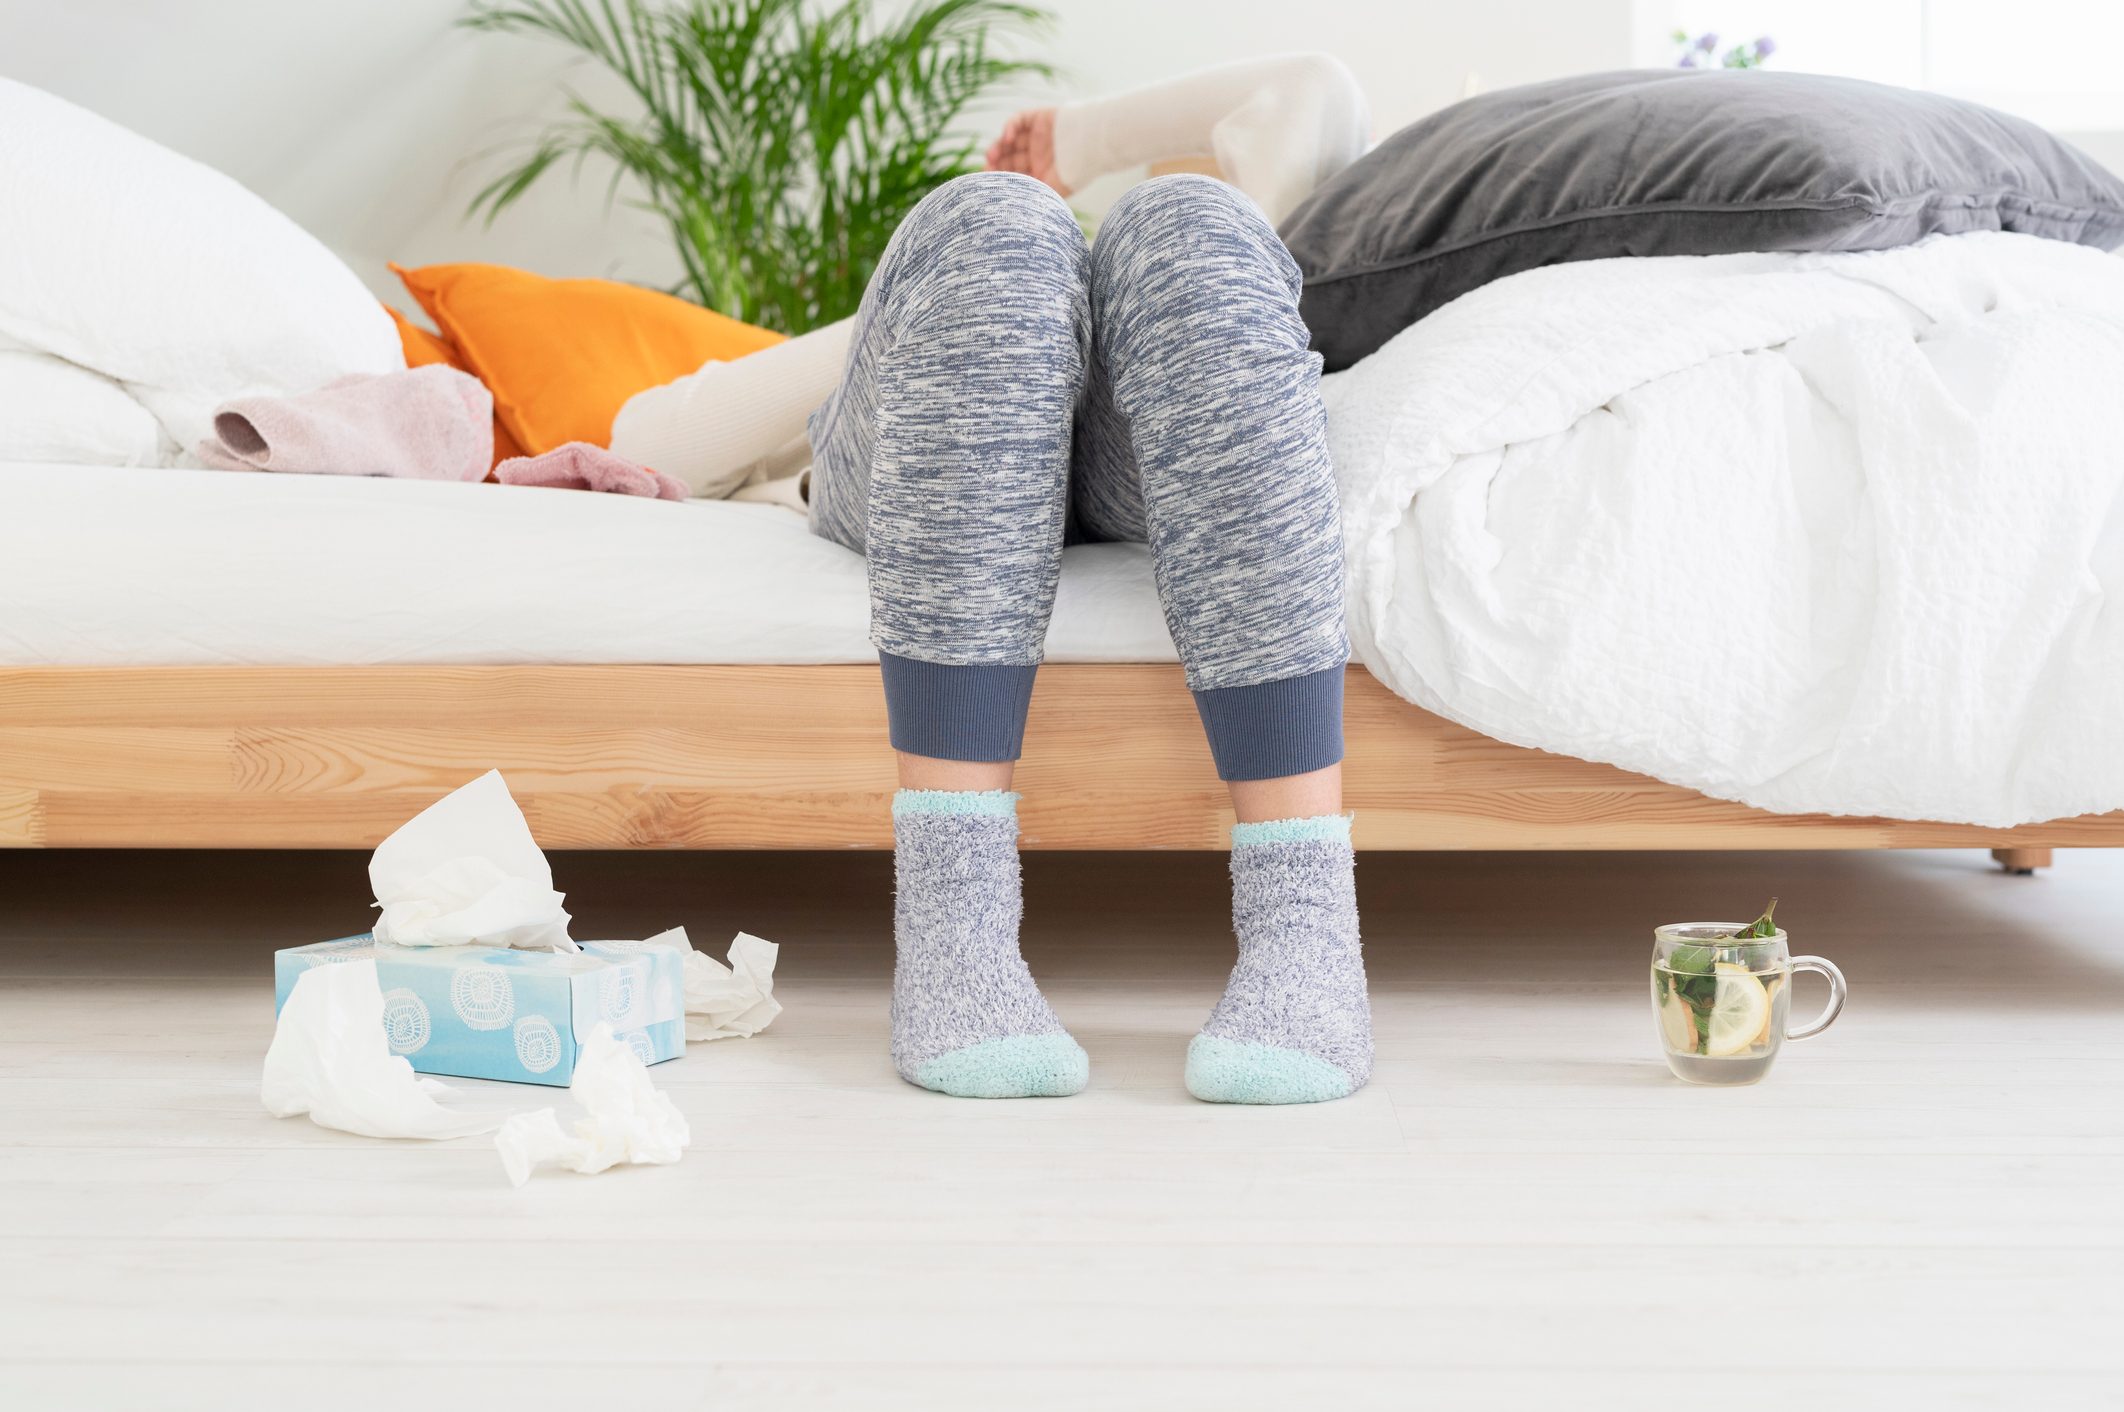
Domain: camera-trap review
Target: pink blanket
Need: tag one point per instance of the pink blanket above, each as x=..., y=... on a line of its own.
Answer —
x=427, y=423
x=581, y=466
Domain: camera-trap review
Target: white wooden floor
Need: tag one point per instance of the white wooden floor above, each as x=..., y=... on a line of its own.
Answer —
x=1919, y=1209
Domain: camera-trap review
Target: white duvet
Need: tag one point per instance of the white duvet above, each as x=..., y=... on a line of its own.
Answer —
x=1830, y=532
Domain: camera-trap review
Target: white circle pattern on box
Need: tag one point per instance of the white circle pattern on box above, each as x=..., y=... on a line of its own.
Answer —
x=405, y=1021
x=341, y=952
x=482, y=996
x=638, y=1041
x=538, y=1046
x=617, y=992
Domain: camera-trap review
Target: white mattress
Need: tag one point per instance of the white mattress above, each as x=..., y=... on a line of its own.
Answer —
x=108, y=566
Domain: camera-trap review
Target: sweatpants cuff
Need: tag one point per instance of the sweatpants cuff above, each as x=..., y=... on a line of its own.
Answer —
x=949, y=712
x=1275, y=728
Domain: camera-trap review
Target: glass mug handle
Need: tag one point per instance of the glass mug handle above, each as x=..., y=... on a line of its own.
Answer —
x=1835, y=1007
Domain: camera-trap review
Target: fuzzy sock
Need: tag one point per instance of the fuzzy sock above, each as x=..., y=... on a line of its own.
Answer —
x=1295, y=1024
x=966, y=1017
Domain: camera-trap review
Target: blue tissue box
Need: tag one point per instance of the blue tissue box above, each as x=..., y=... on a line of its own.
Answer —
x=485, y=1012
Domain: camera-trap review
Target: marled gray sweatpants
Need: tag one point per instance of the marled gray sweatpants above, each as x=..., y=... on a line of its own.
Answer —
x=1009, y=387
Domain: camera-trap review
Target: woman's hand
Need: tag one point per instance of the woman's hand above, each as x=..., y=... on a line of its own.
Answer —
x=1028, y=145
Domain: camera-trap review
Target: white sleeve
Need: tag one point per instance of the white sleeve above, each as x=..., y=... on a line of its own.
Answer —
x=712, y=427
x=1277, y=127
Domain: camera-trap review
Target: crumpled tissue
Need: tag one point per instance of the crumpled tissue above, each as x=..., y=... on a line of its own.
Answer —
x=465, y=871
x=625, y=1118
x=736, y=1000
x=330, y=1058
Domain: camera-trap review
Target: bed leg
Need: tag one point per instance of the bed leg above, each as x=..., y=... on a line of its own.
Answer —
x=2022, y=862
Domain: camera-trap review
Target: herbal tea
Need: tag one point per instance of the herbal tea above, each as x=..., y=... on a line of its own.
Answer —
x=1719, y=1020
x=1720, y=993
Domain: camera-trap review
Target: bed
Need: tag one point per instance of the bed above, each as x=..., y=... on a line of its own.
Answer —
x=1832, y=534
x=198, y=659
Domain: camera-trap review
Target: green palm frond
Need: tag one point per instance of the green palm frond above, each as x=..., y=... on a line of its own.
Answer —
x=780, y=144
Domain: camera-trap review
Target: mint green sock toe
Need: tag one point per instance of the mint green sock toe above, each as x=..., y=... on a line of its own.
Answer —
x=1015, y=1066
x=1294, y=1024
x=1232, y=1071
x=967, y=1018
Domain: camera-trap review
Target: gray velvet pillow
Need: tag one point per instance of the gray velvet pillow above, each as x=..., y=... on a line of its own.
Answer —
x=1669, y=162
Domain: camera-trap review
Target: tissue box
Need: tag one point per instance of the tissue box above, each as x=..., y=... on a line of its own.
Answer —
x=486, y=1012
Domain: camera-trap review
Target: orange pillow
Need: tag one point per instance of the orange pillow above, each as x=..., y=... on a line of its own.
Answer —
x=561, y=356
x=423, y=348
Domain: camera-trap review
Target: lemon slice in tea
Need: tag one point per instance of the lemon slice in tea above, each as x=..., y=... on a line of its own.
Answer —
x=1739, y=1009
x=1677, y=1025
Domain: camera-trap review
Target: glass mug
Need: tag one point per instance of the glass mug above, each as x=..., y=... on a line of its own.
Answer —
x=1719, y=1000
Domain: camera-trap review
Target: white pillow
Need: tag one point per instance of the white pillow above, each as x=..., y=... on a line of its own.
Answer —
x=51, y=410
x=125, y=258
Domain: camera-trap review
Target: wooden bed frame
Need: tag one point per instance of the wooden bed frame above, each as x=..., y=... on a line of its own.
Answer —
x=786, y=757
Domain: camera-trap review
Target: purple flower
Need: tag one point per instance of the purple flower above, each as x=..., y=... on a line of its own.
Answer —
x=1765, y=47
x=1707, y=41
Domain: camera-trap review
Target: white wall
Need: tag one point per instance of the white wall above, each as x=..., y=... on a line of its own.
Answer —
x=1412, y=58
x=373, y=121
x=352, y=116
x=367, y=121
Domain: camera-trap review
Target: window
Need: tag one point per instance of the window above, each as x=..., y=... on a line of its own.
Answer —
x=2058, y=62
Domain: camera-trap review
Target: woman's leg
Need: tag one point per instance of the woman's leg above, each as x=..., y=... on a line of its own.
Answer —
x=1202, y=432
x=944, y=457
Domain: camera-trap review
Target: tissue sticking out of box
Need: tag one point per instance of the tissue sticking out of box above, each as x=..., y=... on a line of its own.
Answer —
x=330, y=1058
x=736, y=1000
x=625, y=1119
x=465, y=871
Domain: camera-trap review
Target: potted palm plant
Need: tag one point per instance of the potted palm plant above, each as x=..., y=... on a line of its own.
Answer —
x=779, y=143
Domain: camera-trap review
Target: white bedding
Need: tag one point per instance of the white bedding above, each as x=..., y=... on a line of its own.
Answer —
x=53, y=410
x=1833, y=532
x=154, y=279
x=103, y=566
